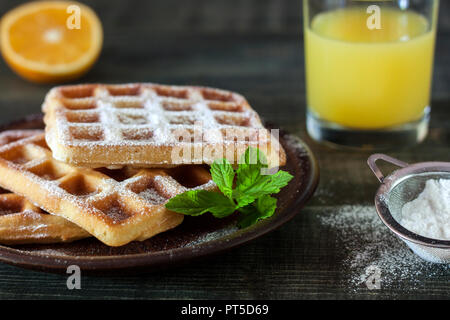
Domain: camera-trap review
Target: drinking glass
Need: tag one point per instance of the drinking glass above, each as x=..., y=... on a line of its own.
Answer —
x=369, y=68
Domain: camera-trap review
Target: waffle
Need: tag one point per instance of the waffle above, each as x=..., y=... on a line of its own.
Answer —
x=14, y=135
x=150, y=125
x=22, y=222
x=115, y=206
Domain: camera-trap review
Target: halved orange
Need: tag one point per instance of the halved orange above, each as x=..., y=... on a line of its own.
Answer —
x=51, y=41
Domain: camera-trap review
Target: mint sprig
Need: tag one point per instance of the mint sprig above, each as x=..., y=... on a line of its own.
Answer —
x=246, y=190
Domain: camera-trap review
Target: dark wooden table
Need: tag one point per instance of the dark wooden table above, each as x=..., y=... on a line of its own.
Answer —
x=253, y=47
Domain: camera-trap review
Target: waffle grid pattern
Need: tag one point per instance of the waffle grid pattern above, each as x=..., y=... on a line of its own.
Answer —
x=144, y=125
x=22, y=222
x=116, y=206
x=151, y=114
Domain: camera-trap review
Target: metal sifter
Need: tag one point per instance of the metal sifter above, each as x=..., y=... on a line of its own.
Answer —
x=400, y=187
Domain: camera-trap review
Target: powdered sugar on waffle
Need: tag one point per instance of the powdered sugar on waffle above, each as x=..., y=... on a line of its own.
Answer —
x=153, y=196
x=148, y=107
x=150, y=125
x=121, y=195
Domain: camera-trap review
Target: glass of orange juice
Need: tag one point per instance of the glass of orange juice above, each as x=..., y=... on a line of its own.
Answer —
x=369, y=68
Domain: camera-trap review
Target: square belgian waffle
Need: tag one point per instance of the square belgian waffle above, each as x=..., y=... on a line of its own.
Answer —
x=150, y=125
x=115, y=206
x=22, y=222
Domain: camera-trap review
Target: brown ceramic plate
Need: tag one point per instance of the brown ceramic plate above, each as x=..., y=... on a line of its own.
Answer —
x=195, y=237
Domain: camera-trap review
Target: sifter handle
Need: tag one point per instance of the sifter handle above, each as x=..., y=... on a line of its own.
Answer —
x=379, y=156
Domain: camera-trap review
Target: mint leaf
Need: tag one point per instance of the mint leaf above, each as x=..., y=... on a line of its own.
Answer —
x=267, y=184
x=248, y=191
x=250, y=165
x=261, y=209
x=253, y=156
x=198, y=202
x=223, y=175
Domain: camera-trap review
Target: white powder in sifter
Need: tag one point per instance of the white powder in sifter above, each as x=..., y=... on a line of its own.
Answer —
x=429, y=214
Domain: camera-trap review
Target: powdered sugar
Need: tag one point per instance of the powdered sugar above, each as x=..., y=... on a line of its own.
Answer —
x=152, y=196
x=366, y=243
x=429, y=214
x=153, y=109
x=295, y=143
x=123, y=194
x=214, y=235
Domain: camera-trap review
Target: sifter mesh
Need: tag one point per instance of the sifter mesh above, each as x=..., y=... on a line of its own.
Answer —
x=402, y=186
x=408, y=189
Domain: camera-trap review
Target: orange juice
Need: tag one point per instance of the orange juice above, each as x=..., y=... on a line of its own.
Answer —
x=369, y=79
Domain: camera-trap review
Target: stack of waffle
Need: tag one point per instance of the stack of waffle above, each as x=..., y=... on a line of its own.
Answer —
x=111, y=157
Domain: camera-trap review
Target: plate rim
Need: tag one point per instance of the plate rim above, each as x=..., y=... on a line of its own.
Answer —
x=164, y=258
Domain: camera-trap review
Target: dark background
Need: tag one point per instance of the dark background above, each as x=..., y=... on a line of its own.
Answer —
x=254, y=47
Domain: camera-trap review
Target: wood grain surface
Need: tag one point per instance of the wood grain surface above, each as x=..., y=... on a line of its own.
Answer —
x=253, y=47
